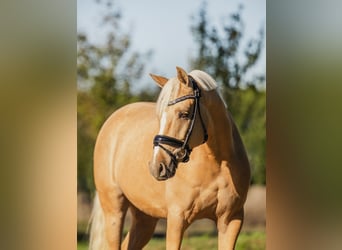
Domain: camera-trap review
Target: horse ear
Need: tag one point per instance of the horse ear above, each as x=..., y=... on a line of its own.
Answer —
x=182, y=76
x=160, y=80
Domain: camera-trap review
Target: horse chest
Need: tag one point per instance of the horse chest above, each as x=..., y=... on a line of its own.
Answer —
x=200, y=196
x=200, y=202
x=212, y=201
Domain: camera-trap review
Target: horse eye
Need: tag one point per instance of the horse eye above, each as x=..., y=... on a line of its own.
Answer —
x=183, y=115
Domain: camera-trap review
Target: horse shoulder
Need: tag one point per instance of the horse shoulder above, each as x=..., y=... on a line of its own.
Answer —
x=120, y=124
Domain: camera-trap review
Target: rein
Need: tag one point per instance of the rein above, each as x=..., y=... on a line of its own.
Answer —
x=159, y=140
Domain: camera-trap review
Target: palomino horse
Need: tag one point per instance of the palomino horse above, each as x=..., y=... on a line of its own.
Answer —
x=181, y=159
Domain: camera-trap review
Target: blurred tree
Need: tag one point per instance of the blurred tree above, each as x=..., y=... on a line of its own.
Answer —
x=219, y=54
x=105, y=75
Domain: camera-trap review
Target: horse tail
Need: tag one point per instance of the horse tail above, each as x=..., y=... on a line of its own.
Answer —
x=97, y=238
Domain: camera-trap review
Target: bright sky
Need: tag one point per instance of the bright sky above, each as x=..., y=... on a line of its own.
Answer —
x=164, y=27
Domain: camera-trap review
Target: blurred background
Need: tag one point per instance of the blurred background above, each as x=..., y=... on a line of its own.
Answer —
x=120, y=42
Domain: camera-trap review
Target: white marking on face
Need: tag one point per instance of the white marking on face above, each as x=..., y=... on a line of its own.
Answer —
x=162, y=123
x=161, y=132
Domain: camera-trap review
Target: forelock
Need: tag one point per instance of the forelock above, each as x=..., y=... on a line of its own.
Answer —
x=169, y=88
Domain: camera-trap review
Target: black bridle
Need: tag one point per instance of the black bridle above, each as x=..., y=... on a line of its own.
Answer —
x=184, y=153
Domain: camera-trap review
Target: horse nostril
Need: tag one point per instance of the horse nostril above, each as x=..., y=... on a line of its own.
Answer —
x=162, y=169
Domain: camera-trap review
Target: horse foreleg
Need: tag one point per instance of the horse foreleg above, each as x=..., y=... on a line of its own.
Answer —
x=114, y=206
x=228, y=230
x=141, y=230
x=176, y=226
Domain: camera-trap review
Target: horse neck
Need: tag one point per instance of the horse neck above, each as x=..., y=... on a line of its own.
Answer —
x=220, y=128
x=225, y=145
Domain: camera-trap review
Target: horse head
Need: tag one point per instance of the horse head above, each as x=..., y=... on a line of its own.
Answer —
x=181, y=123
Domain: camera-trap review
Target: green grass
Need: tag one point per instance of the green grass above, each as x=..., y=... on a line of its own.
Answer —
x=252, y=241
x=82, y=246
x=246, y=241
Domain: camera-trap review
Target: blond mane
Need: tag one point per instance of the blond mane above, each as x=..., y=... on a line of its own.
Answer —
x=204, y=81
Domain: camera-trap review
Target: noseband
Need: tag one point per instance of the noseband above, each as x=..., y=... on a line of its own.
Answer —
x=184, y=153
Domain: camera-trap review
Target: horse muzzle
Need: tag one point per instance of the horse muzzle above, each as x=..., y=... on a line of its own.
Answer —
x=162, y=171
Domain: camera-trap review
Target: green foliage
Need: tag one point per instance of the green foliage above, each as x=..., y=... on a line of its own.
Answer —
x=105, y=75
x=249, y=111
x=218, y=53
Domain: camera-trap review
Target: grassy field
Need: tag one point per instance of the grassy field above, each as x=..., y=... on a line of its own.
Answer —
x=247, y=241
